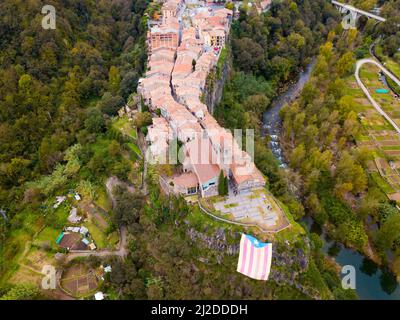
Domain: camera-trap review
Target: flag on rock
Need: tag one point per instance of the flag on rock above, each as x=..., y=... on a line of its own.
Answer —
x=254, y=258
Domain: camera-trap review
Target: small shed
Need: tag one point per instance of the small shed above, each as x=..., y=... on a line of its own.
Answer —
x=59, y=200
x=73, y=216
x=99, y=295
x=84, y=231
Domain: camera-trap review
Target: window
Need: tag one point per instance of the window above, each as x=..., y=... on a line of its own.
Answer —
x=192, y=190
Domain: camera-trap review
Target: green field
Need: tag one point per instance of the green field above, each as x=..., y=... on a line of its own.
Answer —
x=133, y=147
x=125, y=126
x=381, y=183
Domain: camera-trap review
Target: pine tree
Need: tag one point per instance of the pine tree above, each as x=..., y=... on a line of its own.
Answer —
x=221, y=184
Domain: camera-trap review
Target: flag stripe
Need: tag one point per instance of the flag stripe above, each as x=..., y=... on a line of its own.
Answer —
x=254, y=258
x=269, y=260
x=241, y=255
x=260, y=264
x=250, y=263
x=247, y=254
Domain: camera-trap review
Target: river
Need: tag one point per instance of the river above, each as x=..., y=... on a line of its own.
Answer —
x=372, y=282
x=271, y=120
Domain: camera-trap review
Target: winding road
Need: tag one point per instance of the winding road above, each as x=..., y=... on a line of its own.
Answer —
x=378, y=108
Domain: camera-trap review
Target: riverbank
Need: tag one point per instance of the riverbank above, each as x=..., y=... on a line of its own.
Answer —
x=372, y=285
x=372, y=281
x=271, y=119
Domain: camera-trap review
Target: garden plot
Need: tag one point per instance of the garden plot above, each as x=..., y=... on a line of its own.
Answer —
x=30, y=267
x=79, y=281
x=377, y=134
x=391, y=105
x=389, y=173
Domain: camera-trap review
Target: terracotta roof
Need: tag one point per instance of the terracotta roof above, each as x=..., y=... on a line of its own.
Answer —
x=209, y=122
x=160, y=121
x=182, y=68
x=188, y=86
x=223, y=12
x=194, y=127
x=170, y=27
x=243, y=173
x=200, y=151
x=186, y=180
x=206, y=172
x=215, y=21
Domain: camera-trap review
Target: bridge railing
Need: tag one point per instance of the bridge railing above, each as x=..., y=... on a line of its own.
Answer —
x=362, y=12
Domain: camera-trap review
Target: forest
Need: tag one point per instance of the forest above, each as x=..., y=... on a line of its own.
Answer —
x=58, y=90
x=288, y=37
x=328, y=175
x=320, y=130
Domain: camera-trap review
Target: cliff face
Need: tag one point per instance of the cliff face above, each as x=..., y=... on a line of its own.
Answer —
x=290, y=265
x=215, y=83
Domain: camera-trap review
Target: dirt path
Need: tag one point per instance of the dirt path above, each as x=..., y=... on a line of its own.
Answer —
x=143, y=148
x=122, y=250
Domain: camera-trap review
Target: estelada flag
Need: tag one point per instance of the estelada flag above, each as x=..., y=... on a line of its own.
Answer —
x=254, y=258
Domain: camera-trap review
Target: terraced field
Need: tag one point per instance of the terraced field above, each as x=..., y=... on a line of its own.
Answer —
x=377, y=134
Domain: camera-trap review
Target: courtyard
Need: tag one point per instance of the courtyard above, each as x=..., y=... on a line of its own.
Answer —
x=253, y=207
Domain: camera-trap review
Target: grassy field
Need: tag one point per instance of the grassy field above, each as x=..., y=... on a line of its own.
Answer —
x=37, y=236
x=390, y=63
x=38, y=225
x=98, y=226
x=48, y=235
x=102, y=200
x=135, y=149
x=393, y=64
x=125, y=126
x=30, y=267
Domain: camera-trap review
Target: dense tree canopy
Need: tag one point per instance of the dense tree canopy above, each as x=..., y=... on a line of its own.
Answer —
x=58, y=89
x=55, y=83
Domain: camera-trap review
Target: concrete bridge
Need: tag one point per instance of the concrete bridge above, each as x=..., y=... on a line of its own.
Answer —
x=356, y=13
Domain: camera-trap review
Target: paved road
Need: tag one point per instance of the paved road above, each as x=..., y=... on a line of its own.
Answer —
x=378, y=108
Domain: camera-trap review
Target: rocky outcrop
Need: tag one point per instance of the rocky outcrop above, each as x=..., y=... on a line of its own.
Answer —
x=216, y=241
x=215, y=84
x=288, y=262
